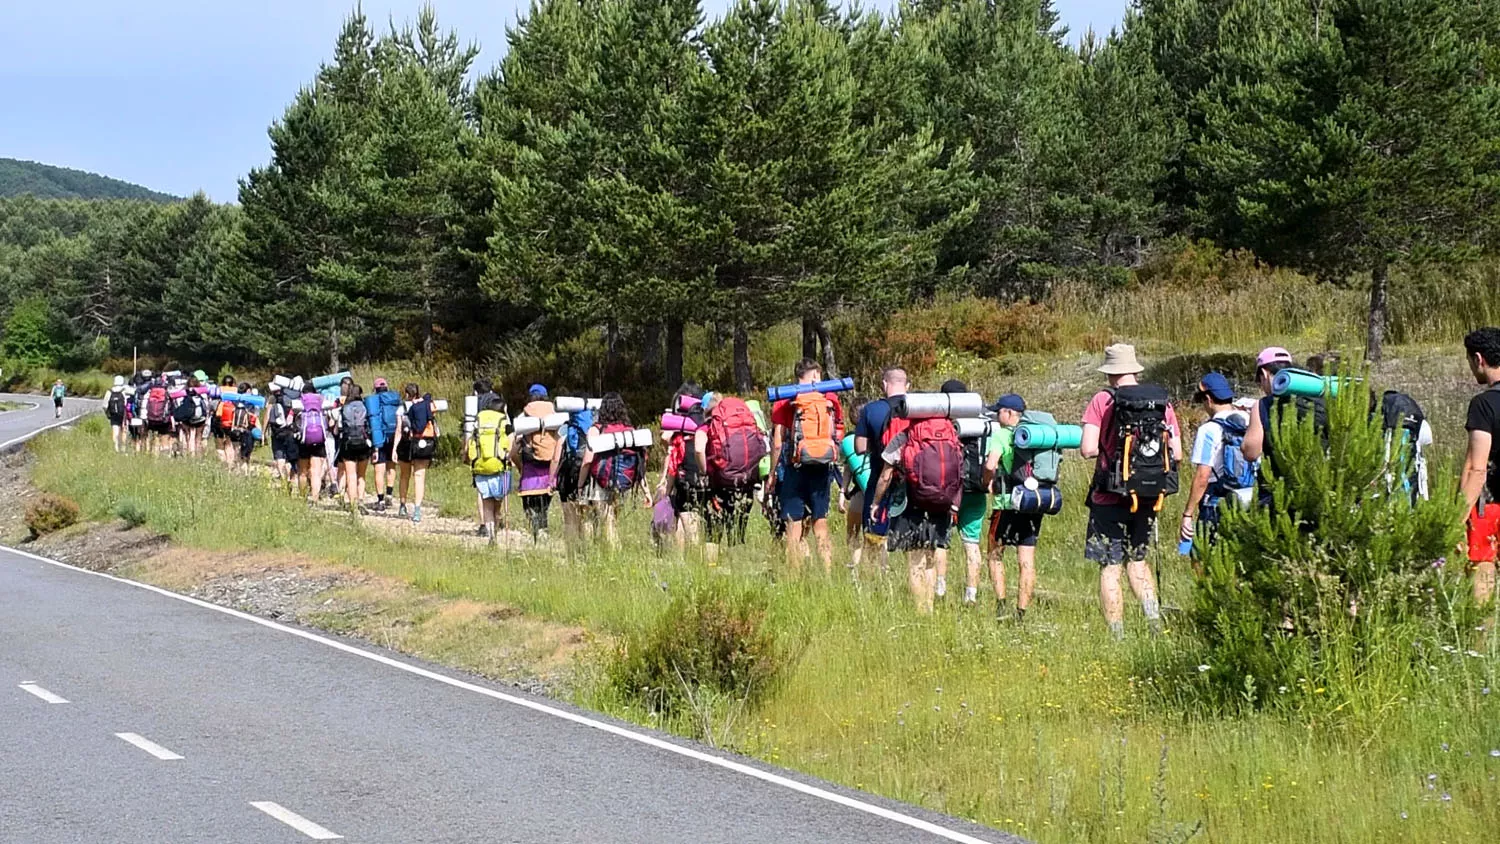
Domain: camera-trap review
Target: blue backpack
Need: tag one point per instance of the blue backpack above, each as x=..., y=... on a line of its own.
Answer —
x=382, y=407
x=1238, y=473
x=576, y=432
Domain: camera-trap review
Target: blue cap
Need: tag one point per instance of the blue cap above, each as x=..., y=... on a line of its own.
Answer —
x=1009, y=401
x=536, y=391
x=1216, y=387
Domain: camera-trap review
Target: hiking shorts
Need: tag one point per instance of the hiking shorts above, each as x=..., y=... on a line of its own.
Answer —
x=1483, y=533
x=247, y=445
x=382, y=454
x=971, y=512
x=161, y=428
x=117, y=420
x=915, y=529
x=1010, y=529
x=687, y=498
x=726, y=513
x=355, y=452
x=57, y=401
x=493, y=487
x=1116, y=535
x=284, y=447
x=804, y=492
x=306, y=451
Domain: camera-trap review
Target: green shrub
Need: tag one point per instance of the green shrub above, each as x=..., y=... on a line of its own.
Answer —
x=1324, y=598
x=714, y=641
x=131, y=513
x=50, y=513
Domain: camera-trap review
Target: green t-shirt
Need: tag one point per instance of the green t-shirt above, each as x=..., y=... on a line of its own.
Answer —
x=1002, y=442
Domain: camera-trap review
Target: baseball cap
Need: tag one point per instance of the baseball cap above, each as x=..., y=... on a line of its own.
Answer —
x=1009, y=401
x=1272, y=354
x=381, y=383
x=146, y=373
x=200, y=375
x=537, y=391
x=1216, y=387
x=119, y=380
x=953, y=385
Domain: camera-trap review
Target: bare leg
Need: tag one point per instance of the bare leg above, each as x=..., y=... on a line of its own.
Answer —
x=921, y=578
x=419, y=469
x=794, y=545
x=1026, y=557
x=940, y=572
x=1144, y=586
x=997, y=571
x=1110, y=598
x=611, y=532
x=1484, y=582
x=825, y=545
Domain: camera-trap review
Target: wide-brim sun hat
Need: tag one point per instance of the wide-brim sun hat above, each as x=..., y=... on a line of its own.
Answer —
x=1119, y=359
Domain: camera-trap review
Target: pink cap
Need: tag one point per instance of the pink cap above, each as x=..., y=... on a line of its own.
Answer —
x=381, y=382
x=1273, y=354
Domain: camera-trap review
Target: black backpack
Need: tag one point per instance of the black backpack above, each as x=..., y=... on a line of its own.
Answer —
x=1272, y=409
x=116, y=406
x=1140, y=467
x=975, y=449
x=1400, y=412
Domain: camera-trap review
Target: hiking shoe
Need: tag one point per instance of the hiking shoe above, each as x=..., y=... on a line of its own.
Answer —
x=401, y=512
x=484, y=530
x=380, y=506
x=416, y=513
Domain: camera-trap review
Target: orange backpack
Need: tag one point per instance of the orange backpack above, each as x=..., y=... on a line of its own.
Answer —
x=812, y=430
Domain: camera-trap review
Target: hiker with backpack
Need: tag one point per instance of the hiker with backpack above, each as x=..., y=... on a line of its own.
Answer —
x=1480, y=482
x=539, y=456
x=869, y=440
x=415, y=446
x=488, y=452
x=158, y=404
x=191, y=414
x=1269, y=410
x=116, y=409
x=382, y=407
x=484, y=395
x=572, y=440
x=729, y=447
x=1131, y=430
x=1222, y=474
x=224, y=446
x=245, y=429
x=355, y=447
x=312, y=443
x=135, y=412
x=1024, y=482
x=973, y=506
x=606, y=479
x=683, y=484
x=805, y=432
x=921, y=490
x=59, y=390
x=281, y=425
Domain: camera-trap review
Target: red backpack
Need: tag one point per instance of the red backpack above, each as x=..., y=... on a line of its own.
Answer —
x=735, y=444
x=932, y=460
x=157, y=412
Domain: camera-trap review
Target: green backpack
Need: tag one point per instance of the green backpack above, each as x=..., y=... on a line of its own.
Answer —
x=1043, y=464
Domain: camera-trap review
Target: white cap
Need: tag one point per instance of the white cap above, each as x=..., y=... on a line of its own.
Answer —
x=119, y=380
x=146, y=372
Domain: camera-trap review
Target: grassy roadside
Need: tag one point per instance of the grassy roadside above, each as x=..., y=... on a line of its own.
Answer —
x=1048, y=730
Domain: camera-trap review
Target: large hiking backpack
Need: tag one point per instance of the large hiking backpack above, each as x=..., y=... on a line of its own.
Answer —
x=975, y=450
x=489, y=448
x=1239, y=472
x=1402, y=418
x=735, y=443
x=157, y=412
x=354, y=425
x=1140, y=464
x=115, y=407
x=574, y=440
x=1044, y=464
x=932, y=461
x=812, y=430
x=618, y=470
x=310, y=427
x=243, y=420
x=1273, y=409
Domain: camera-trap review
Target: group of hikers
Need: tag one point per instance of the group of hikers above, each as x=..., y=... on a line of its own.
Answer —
x=914, y=470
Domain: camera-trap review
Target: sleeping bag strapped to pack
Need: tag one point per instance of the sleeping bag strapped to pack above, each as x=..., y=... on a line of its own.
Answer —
x=1140, y=467
x=310, y=427
x=619, y=470
x=489, y=448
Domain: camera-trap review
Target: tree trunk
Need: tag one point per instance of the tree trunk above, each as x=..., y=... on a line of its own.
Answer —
x=333, y=346
x=611, y=350
x=742, y=382
x=810, y=337
x=825, y=339
x=674, y=352
x=651, y=354
x=1379, y=308
x=427, y=320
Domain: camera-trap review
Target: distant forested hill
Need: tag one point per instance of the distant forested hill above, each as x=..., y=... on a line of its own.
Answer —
x=19, y=178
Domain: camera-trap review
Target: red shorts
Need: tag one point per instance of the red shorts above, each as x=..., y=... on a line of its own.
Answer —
x=1484, y=533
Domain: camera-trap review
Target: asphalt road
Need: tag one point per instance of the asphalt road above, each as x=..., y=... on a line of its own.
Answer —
x=17, y=426
x=187, y=722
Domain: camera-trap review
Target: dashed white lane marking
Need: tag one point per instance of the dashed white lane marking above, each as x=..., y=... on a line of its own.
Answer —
x=149, y=746
x=42, y=693
x=776, y=779
x=295, y=821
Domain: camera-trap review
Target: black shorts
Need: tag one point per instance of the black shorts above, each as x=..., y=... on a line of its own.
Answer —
x=284, y=446
x=117, y=421
x=57, y=402
x=687, y=498
x=403, y=451
x=308, y=452
x=382, y=454
x=1011, y=529
x=162, y=428
x=915, y=529
x=247, y=445
x=1116, y=535
x=726, y=513
x=355, y=452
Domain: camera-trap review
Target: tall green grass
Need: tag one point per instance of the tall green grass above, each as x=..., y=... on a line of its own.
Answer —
x=1049, y=730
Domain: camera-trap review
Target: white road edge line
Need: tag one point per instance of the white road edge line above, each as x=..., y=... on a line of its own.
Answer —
x=612, y=729
x=295, y=821
x=58, y=424
x=42, y=693
x=149, y=746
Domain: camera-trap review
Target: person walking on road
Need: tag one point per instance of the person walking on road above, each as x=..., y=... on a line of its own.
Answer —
x=58, y=391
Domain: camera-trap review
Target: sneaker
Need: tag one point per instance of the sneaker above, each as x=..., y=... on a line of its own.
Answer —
x=416, y=513
x=489, y=532
x=401, y=512
x=484, y=530
x=380, y=505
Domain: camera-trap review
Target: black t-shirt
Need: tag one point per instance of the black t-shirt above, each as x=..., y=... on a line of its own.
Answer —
x=1484, y=415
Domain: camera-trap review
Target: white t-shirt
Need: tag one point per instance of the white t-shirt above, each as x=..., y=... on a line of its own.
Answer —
x=1208, y=447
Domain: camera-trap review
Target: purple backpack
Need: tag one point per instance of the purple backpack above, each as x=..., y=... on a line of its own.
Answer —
x=310, y=420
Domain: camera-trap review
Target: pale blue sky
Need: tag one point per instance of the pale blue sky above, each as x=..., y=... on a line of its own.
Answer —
x=176, y=95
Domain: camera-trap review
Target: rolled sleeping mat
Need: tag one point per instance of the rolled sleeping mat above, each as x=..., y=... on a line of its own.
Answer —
x=471, y=414
x=173, y=375
x=606, y=443
x=1046, y=500
x=859, y=464
x=973, y=429
x=439, y=405
x=323, y=382
x=573, y=404
x=787, y=391
x=1300, y=382
x=252, y=401
x=1040, y=437
x=678, y=422
x=686, y=403
x=282, y=381
x=330, y=393
x=524, y=424
x=937, y=405
x=179, y=393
